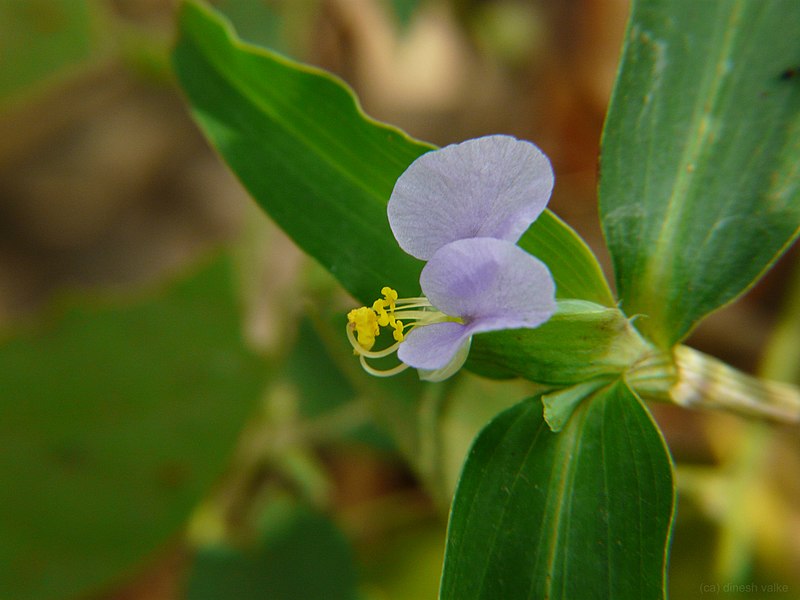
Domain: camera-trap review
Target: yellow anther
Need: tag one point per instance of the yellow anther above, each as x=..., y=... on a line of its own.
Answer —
x=379, y=306
x=390, y=295
x=365, y=322
x=398, y=331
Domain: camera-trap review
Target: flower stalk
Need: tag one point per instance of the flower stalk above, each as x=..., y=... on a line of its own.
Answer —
x=707, y=383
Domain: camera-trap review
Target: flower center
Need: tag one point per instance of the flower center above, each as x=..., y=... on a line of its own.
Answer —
x=401, y=315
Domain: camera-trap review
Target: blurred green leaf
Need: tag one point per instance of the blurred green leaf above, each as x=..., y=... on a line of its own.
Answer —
x=40, y=37
x=699, y=187
x=324, y=389
x=114, y=420
x=322, y=386
x=301, y=555
x=256, y=22
x=584, y=513
x=404, y=10
x=323, y=170
x=581, y=341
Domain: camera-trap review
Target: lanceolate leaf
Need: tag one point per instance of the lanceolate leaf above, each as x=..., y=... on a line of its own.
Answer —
x=584, y=513
x=323, y=170
x=297, y=140
x=700, y=163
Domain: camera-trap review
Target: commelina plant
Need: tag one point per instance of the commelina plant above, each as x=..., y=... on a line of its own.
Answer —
x=568, y=492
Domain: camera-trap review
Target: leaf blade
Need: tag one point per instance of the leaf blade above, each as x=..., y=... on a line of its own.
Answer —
x=289, y=172
x=701, y=109
x=547, y=515
x=297, y=139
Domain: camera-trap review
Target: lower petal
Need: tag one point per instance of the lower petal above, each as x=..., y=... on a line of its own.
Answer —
x=432, y=347
x=450, y=368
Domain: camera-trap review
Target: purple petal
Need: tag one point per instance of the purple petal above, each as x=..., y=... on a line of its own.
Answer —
x=431, y=347
x=451, y=368
x=490, y=284
x=492, y=186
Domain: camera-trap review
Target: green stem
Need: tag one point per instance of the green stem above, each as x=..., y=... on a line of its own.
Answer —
x=707, y=383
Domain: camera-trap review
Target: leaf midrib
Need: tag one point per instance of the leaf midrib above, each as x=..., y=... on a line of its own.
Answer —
x=567, y=440
x=698, y=134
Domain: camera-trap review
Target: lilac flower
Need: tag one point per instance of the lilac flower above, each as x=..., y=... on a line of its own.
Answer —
x=462, y=208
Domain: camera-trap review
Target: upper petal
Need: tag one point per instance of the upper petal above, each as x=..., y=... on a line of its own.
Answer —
x=493, y=186
x=491, y=284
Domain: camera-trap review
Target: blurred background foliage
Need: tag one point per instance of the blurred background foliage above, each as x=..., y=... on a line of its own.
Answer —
x=179, y=416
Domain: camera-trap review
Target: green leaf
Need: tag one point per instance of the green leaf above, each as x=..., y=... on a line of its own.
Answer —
x=405, y=10
x=584, y=513
x=581, y=341
x=302, y=554
x=39, y=38
x=573, y=265
x=297, y=139
x=323, y=389
x=115, y=418
x=700, y=185
x=257, y=22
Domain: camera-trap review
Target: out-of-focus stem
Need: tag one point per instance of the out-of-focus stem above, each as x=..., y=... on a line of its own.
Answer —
x=750, y=465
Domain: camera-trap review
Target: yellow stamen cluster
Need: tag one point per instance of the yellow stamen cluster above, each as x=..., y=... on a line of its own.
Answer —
x=367, y=322
x=364, y=325
x=384, y=308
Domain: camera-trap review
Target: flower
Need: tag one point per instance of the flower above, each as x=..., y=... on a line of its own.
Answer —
x=462, y=208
